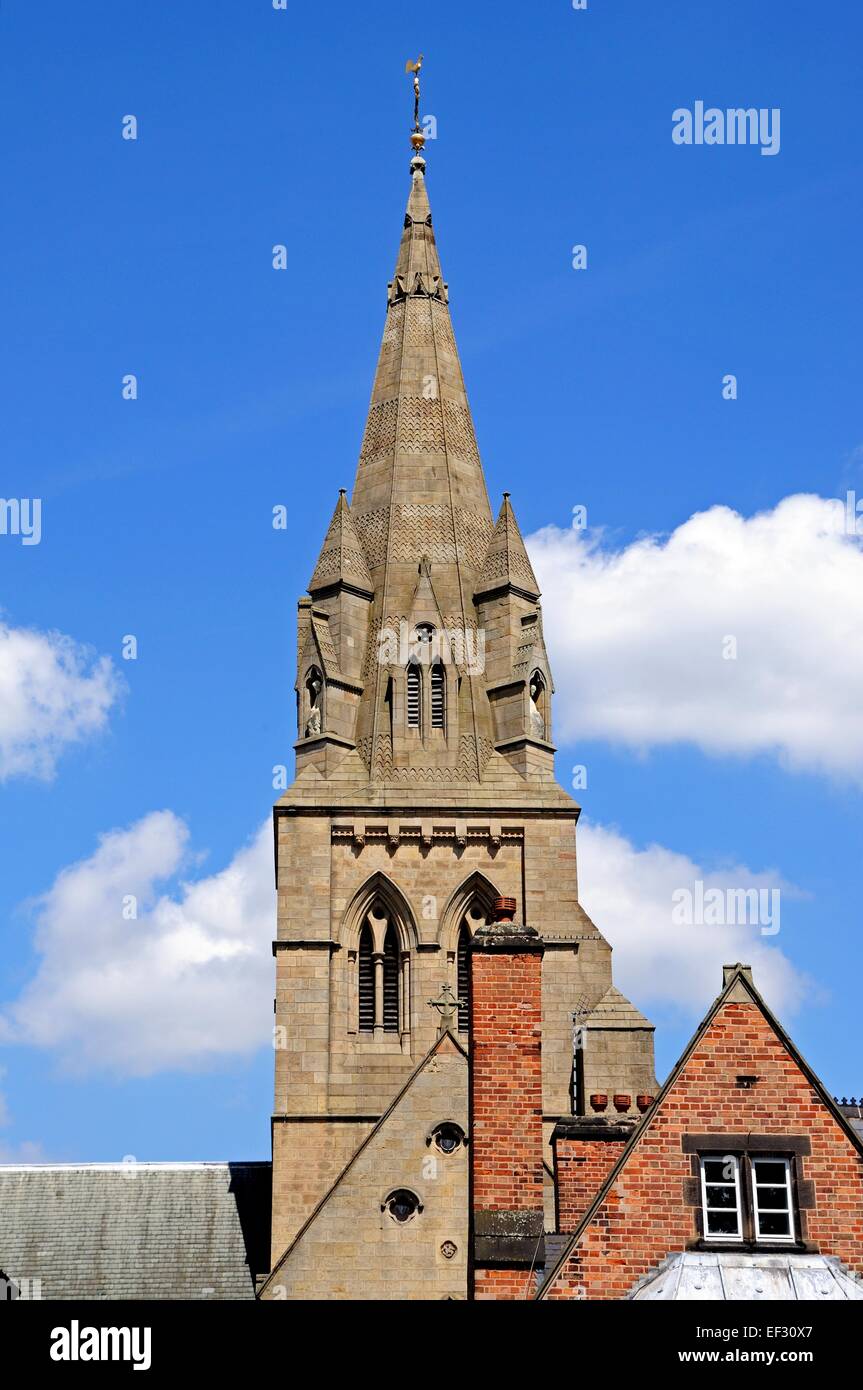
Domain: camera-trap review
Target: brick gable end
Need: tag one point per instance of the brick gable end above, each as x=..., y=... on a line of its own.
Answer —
x=647, y=1213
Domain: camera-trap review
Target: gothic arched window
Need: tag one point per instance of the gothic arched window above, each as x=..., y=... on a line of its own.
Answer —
x=366, y=981
x=414, y=695
x=378, y=957
x=438, y=696
x=463, y=977
x=391, y=982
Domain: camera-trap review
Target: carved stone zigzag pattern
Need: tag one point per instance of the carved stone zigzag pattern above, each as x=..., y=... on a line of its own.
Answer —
x=418, y=327
x=364, y=748
x=498, y=562
x=332, y=561
x=461, y=439
x=465, y=770
x=423, y=528
x=421, y=429
x=380, y=434
x=474, y=532
x=373, y=528
x=444, y=336
x=324, y=636
x=393, y=326
x=372, y=650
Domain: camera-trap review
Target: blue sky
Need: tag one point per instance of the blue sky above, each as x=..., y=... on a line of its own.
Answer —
x=600, y=388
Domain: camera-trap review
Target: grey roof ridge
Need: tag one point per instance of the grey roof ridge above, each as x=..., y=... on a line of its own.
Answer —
x=738, y=977
x=181, y=1165
x=447, y=1033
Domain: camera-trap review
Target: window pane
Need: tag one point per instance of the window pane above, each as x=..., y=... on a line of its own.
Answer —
x=721, y=1196
x=769, y=1171
x=774, y=1223
x=722, y=1223
x=772, y=1198
x=719, y=1170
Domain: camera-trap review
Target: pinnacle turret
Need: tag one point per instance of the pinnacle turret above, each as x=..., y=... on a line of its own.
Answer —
x=506, y=562
x=342, y=559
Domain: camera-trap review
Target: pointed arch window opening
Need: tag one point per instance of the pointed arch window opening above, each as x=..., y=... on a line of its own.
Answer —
x=438, y=696
x=388, y=706
x=313, y=691
x=366, y=981
x=391, y=1003
x=383, y=991
x=538, y=705
x=414, y=696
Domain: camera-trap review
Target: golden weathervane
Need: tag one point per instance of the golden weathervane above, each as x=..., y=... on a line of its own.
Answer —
x=416, y=69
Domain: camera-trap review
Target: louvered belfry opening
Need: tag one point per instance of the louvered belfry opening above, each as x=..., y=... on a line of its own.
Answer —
x=391, y=981
x=463, y=978
x=438, y=696
x=414, y=684
x=366, y=982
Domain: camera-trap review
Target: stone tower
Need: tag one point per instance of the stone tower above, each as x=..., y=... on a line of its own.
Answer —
x=425, y=780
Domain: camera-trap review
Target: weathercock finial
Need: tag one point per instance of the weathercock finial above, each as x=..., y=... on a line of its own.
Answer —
x=417, y=138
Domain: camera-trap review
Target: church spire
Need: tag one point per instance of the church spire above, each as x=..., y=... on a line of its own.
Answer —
x=415, y=578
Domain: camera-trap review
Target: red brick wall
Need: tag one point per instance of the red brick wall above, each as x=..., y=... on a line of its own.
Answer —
x=512, y=1284
x=645, y=1218
x=580, y=1168
x=506, y=1088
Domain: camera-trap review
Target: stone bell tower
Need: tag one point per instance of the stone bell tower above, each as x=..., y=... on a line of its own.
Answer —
x=425, y=781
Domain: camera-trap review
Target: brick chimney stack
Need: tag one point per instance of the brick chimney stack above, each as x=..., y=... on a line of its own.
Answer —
x=506, y=1145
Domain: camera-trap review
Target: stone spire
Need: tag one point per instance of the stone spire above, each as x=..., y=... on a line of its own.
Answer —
x=414, y=577
x=420, y=504
x=419, y=446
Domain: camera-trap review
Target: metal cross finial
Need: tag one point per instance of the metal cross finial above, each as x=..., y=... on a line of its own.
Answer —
x=447, y=1006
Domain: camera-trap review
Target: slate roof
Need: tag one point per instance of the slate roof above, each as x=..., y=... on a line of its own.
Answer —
x=138, y=1230
x=614, y=1010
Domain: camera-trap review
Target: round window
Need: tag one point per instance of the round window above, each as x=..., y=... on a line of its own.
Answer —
x=448, y=1138
x=402, y=1205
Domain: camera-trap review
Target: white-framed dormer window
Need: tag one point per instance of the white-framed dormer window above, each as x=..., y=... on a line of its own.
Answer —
x=772, y=1206
x=720, y=1197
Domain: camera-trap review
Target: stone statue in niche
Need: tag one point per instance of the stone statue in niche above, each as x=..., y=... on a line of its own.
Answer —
x=314, y=686
x=537, y=721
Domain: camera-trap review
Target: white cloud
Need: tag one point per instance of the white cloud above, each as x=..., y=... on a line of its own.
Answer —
x=190, y=982
x=637, y=635
x=53, y=692
x=659, y=965
x=185, y=984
